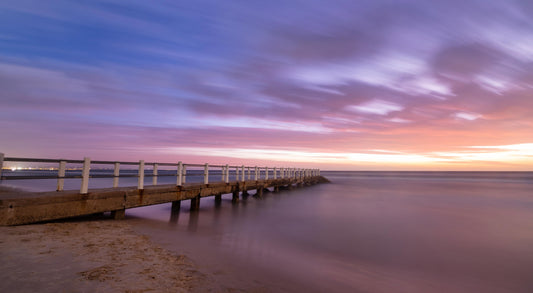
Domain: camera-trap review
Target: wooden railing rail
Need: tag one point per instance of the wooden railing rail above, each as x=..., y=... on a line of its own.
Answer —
x=182, y=171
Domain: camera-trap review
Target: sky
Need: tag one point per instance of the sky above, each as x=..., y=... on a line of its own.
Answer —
x=336, y=85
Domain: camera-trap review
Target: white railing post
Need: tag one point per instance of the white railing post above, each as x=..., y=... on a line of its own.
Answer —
x=249, y=173
x=184, y=178
x=236, y=173
x=223, y=173
x=61, y=175
x=116, y=173
x=154, y=179
x=140, y=184
x=206, y=174
x=180, y=173
x=256, y=173
x=242, y=175
x=227, y=174
x=85, y=175
x=266, y=173
x=275, y=175
x=1, y=164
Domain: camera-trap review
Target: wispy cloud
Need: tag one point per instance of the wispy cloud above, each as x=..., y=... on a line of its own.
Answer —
x=378, y=107
x=422, y=79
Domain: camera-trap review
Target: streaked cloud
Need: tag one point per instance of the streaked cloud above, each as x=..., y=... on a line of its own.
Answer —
x=378, y=107
x=467, y=116
x=423, y=81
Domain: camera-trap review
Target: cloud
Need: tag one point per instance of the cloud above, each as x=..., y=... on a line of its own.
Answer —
x=310, y=77
x=378, y=107
x=467, y=116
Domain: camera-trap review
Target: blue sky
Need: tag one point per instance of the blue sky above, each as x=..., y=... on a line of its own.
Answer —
x=341, y=84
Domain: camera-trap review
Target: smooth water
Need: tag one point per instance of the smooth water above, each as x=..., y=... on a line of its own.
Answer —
x=364, y=232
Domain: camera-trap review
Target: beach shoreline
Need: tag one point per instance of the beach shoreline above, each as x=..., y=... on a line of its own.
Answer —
x=93, y=255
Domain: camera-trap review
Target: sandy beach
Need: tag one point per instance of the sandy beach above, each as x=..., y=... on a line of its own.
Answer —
x=96, y=254
x=92, y=256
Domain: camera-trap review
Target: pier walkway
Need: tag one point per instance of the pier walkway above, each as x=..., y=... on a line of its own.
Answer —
x=19, y=207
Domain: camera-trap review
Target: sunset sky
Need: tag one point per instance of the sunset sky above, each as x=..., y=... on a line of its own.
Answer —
x=338, y=85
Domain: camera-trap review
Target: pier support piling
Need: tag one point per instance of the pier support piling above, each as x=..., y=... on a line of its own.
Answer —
x=195, y=203
x=235, y=197
x=175, y=212
x=118, y=214
x=176, y=205
x=259, y=192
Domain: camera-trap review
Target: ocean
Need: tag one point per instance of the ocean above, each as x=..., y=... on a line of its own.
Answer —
x=363, y=232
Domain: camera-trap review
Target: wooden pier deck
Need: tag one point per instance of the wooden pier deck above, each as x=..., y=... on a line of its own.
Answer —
x=30, y=207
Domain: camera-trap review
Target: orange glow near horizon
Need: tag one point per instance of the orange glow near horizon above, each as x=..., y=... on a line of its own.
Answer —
x=517, y=157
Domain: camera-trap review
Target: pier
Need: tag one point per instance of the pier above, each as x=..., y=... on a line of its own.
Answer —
x=191, y=182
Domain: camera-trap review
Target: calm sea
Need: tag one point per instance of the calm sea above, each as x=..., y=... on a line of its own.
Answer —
x=364, y=232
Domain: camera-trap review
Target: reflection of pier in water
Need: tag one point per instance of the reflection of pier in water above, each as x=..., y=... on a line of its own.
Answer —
x=192, y=217
x=29, y=207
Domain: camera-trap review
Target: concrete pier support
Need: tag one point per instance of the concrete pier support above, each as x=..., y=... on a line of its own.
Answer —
x=118, y=214
x=259, y=192
x=176, y=206
x=235, y=197
x=218, y=199
x=195, y=203
x=175, y=212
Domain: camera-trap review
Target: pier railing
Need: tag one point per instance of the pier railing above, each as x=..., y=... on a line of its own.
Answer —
x=180, y=170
